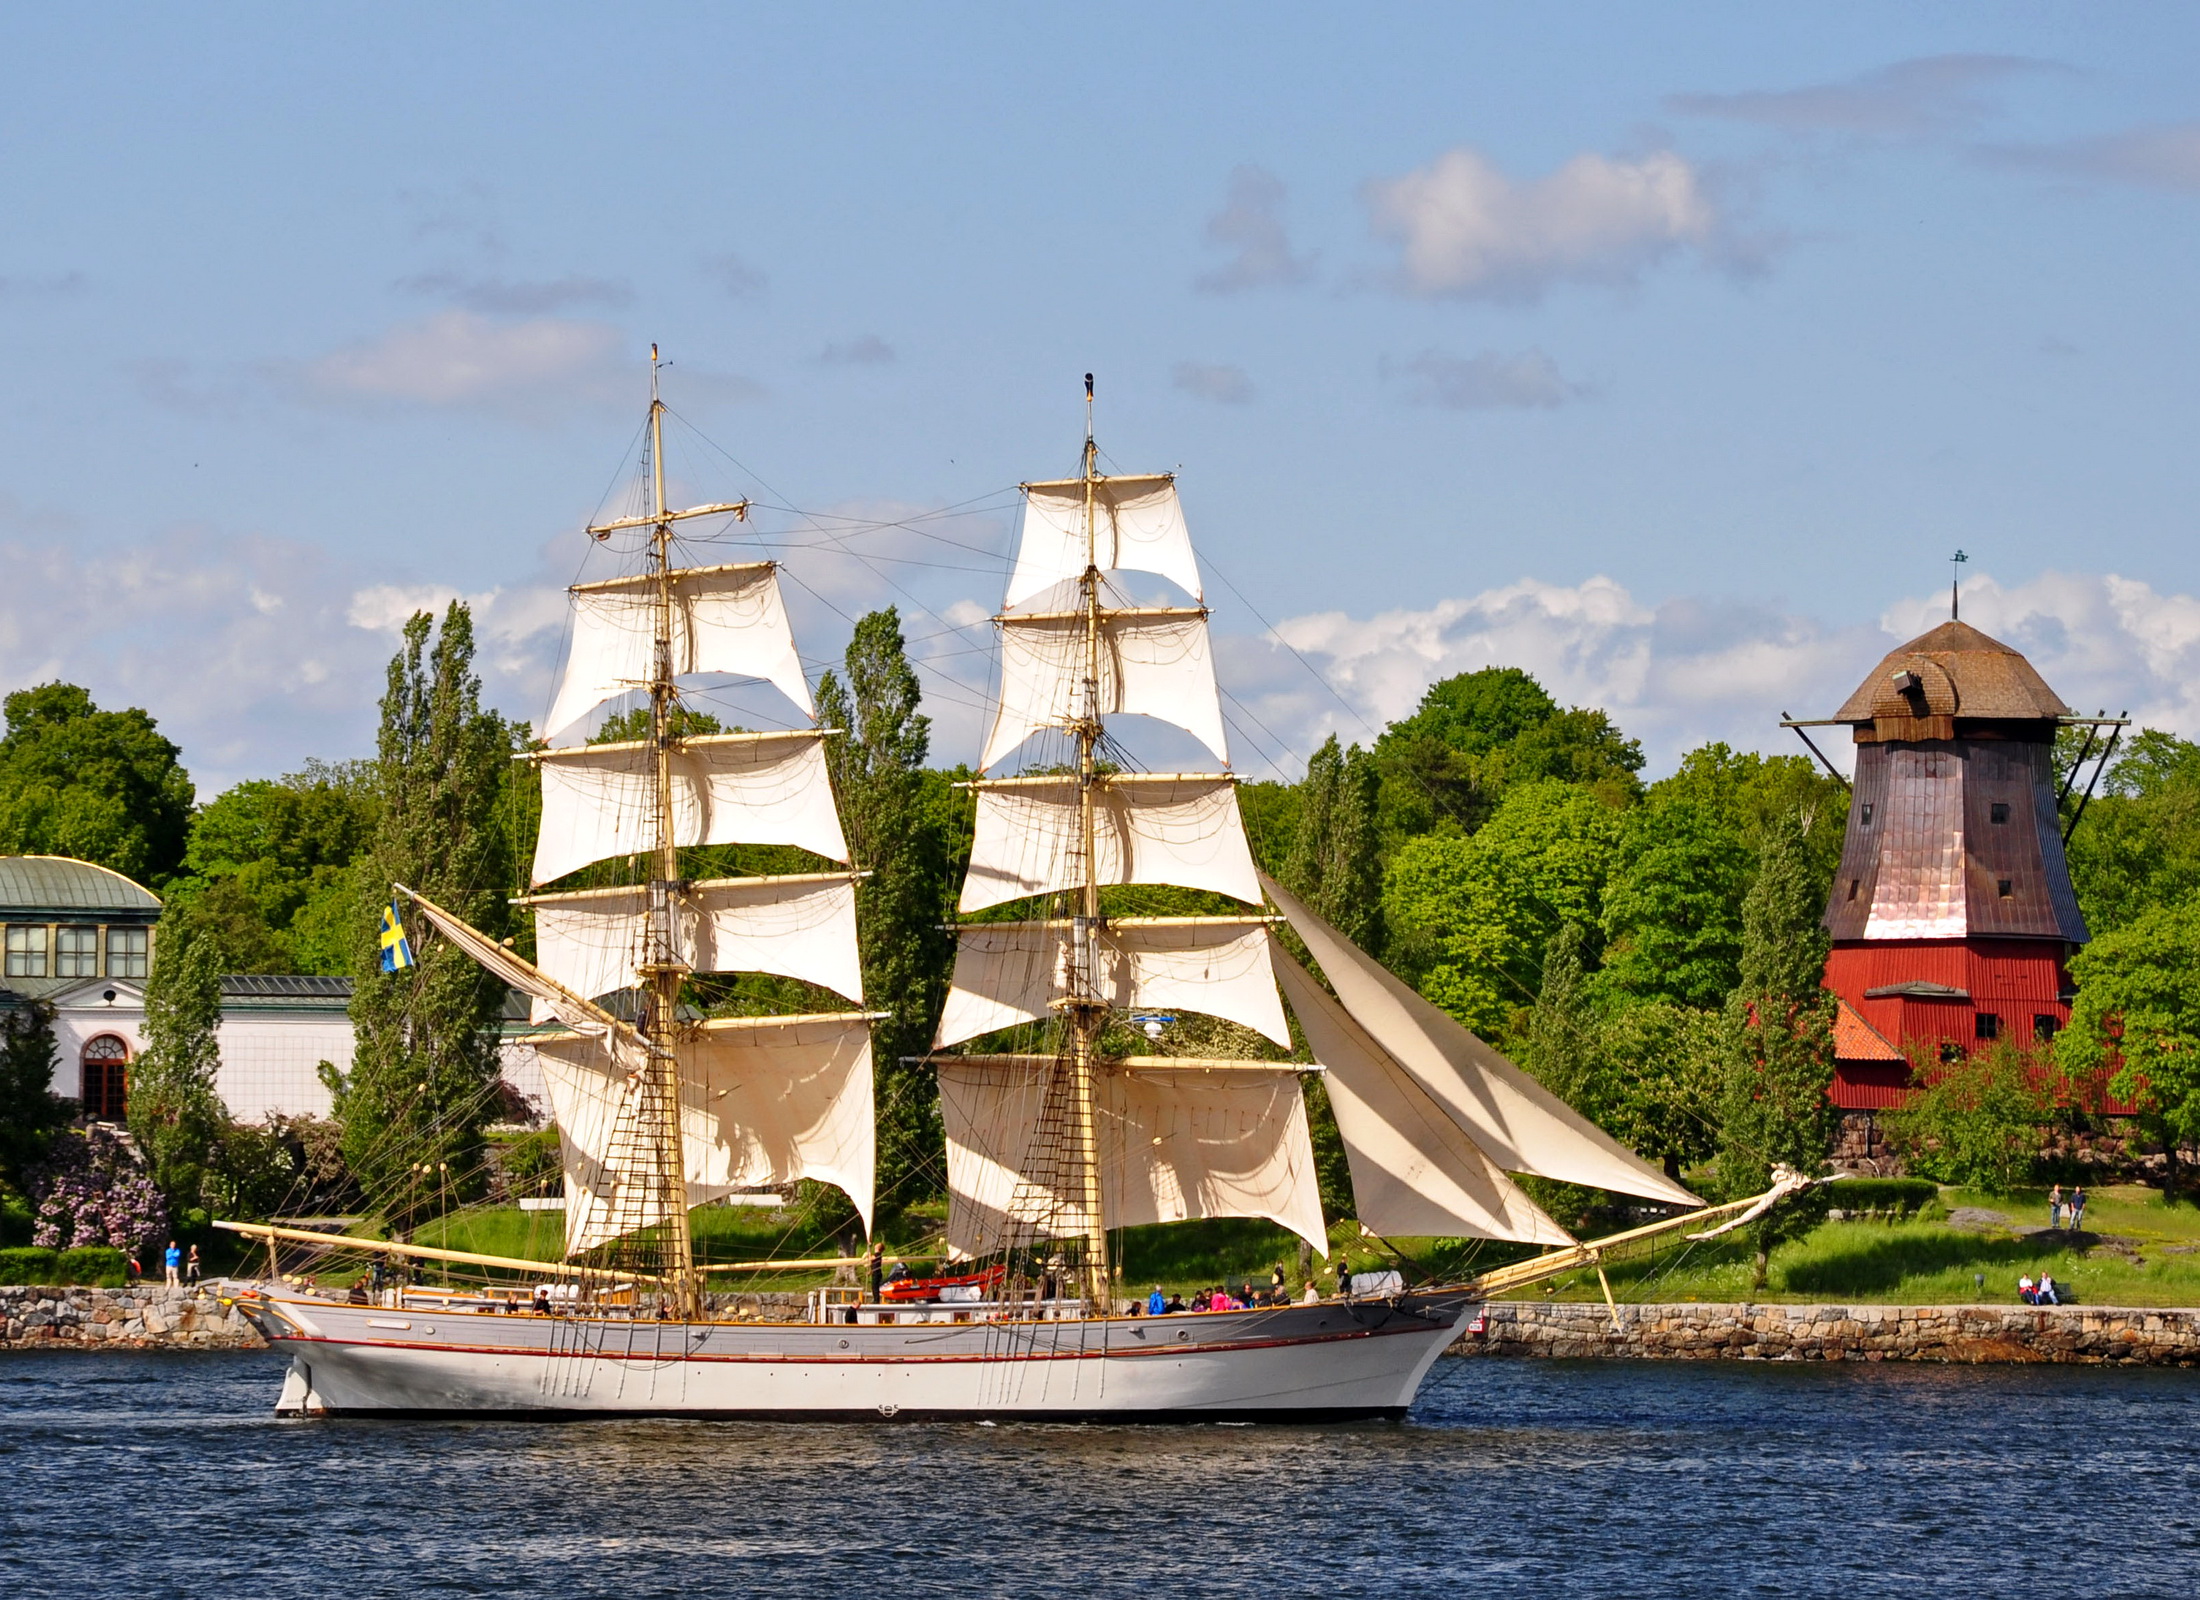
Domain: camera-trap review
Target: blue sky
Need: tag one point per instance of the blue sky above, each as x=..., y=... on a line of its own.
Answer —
x=1666, y=354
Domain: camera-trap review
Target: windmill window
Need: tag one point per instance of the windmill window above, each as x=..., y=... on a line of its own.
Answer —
x=1998, y=811
x=2004, y=887
x=1989, y=1025
x=1853, y=882
x=26, y=951
x=1867, y=814
x=2043, y=1029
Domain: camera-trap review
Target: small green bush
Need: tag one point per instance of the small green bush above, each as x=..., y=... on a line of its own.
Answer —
x=27, y=1265
x=1883, y=1194
x=96, y=1266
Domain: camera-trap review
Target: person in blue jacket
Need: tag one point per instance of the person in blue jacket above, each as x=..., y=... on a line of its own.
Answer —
x=1157, y=1303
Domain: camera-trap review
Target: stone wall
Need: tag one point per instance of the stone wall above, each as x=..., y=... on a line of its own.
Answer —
x=2079, y=1334
x=144, y=1318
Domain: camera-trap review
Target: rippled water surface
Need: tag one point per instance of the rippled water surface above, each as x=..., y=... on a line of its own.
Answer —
x=161, y=1475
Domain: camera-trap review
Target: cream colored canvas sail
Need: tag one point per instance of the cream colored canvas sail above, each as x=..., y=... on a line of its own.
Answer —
x=726, y=620
x=763, y=1101
x=1010, y=972
x=1176, y=1138
x=1520, y=1125
x=1148, y=827
x=552, y=998
x=599, y=801
x=1415, y=1173
x=1152, y=663
x=1137, y=524
x=796, y=926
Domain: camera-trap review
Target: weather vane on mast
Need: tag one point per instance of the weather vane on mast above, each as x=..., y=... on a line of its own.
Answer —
x=1955, y=573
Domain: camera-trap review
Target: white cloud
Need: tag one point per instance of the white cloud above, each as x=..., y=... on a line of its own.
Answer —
x=1906, y=99
x=1490, y=381
x=463, y=359
x=1466, y=229
x=2165, y=157
x=1250, y=226
x=1226, y=385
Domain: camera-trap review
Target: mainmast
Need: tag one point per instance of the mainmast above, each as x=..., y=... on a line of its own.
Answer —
x=663, y=969
x=1084, y=1009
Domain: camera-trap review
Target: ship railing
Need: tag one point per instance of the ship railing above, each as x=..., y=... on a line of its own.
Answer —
x=844, y=1304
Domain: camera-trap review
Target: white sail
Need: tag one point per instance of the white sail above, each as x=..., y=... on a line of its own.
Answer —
x=598, y=801
x=725, y=620
x=1138, y=525
x=763, y=1101
x=1176, y=1139
x=550, y=997
x=1152, y=663
x=1516, y=1122
x=1178, y=828
x=1010, y=972
x=800, y=925
x=1415, y=1173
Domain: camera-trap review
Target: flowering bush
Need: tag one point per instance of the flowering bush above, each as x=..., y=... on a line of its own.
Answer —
x=94, y=1190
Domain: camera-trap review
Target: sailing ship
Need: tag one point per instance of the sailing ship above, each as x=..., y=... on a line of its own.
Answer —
x=1052, y=1149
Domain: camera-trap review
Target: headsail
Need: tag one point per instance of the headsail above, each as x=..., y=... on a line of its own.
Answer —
x=1520, y=1125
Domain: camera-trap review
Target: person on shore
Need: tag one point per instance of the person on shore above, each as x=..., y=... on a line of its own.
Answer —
x=2026, y=1291
x=2077, y=1207
x=172, y=1259
x=191, y=1266
x=2047, y=1294
x=2054, y=1207
x=1157, y=1303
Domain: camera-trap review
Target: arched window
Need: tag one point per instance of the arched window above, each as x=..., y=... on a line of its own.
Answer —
x=106, y=1062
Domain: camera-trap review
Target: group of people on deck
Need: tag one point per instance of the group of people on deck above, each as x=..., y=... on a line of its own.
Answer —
x=1222, y=1297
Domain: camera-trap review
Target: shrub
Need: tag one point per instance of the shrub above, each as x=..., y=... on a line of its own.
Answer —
x=1884, y=1194
x=93, y=1189
x=29, y=1265
x=1979, y=1121
x=97, y=1266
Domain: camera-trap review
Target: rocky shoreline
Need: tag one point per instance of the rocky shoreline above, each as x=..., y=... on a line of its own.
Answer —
x=143, y=1318
x=2078, y=1335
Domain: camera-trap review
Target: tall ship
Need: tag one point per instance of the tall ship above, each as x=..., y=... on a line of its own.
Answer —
x=1058, y=1137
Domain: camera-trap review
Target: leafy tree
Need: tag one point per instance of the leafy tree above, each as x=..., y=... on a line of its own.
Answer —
x=893, y=822
x=175, y=1115
x=1661, y=1082
x=1333, y=863
x=1560, y=1043
x=1978, y=1120
x=2138, y=1014
x=1271, y=812
x=2138, y=846
x=1475, y=735
x=30, y=1112
x=424, y=1071
x=1469, y=917
x=102, y=786
x=93, y=1190
x=1773, y=1105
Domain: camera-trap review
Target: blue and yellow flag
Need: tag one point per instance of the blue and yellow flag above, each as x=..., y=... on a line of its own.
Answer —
x=397, y=950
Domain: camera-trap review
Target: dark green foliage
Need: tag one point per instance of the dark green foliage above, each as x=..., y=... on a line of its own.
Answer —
x=1885, y=1194
x=897, y=822
x=633, y=724
x=1333, y=862
x=103, y=786
x=1978, y=1121
x=2138, y=847
x=1658, y=1093
x=175, y=1115
x=1560, y=1043
x=30, y=1112
x=424, y=1073
x=96, y=1266
x=1773, y=1109
x=1271, y=813
x=2138, y=1014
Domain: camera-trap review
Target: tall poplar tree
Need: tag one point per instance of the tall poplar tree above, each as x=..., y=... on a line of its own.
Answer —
x=1773, y=1105
x=422, y=1085
x=30, y=1112
x=1334, y=864
x=175, y=1115
x=894, y=831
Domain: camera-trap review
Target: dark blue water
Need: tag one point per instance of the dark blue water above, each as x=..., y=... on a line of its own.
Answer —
x=164, y=1475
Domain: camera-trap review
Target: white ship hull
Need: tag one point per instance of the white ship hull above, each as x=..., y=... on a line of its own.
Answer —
x=1332, y=1360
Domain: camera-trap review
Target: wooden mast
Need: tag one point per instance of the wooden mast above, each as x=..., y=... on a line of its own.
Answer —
x=663, y=970
x=1084, y=1009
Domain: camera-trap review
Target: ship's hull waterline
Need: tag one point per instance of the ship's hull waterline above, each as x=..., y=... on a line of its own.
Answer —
x=1304, y=1363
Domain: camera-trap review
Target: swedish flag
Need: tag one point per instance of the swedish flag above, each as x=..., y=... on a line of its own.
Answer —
x=397, y=950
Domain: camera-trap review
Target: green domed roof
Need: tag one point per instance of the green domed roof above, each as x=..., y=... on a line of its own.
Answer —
x=60, y=883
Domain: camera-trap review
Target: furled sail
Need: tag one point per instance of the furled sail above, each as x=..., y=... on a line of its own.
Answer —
x=1178, y=828
x=1137, y=525
x=763, y=1101
x=725, y=620
x=1176, y=1139
x=1520, y=1125
x=1152, y=663
x=600, y=801
x=1010, y=972
x=800, y=925
x=1415, y=1173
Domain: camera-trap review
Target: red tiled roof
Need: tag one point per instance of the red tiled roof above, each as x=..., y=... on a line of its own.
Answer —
x=1854, y=1039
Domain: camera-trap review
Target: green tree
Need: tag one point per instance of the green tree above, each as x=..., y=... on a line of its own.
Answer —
x=892, y=818
x=175, y=1114
x=424, y=1075
x=1661, y=1082
x=1469, y=917
x=1979, y=1120
x=2138, y=1015
x=2138, y=846
x=1560, y=1043
x=30, y=1112
x=1773, y=1105
x=102, y=786
x=1333, y=863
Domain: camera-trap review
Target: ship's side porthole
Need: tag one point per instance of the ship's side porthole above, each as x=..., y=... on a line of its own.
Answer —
x=843, y=1344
